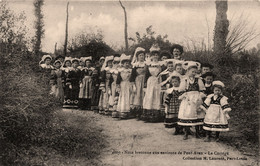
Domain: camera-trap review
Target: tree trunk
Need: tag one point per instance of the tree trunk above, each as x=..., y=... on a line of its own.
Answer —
x=55, y=48
x=126, y=35
x=66, y=31
x=38, y=26
x=221, y=28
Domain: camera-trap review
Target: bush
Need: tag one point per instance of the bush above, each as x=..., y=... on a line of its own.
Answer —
x=240, y=74
x=27, y=106
x=32, y=124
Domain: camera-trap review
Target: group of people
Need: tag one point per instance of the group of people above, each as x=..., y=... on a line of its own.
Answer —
x=149, y=86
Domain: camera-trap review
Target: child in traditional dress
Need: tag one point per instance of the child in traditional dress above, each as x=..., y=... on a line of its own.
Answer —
x=174, y=68
x=86, y=85
x=172, y=104
x=166, y=73
x=192, y=87
x=178, y=68
x=206, y=67
x=125, y=87
x=73, y=83
x=208, y=78
x=216, y=107
x=165, y=55
x=105, y=85
x=138, y=74
x=57, y=81
x=164, y=82
x=152, y=98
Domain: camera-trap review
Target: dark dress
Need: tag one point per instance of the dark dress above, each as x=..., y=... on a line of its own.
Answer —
x=172, y=109
x=72, y=88
x=96, y=91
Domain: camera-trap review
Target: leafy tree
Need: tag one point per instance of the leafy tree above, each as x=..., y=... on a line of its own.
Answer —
x=89, y=44
x=12, y=31
x=148, y=39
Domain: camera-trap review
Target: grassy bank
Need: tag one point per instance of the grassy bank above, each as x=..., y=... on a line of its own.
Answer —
x=33, y=130
x=72, y=139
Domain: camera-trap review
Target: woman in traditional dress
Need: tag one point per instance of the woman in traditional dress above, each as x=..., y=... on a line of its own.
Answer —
x=97, y=77
x=86, y=85
x=125, y=87
x=113, y=99
x=192, y=88
x=96, y=91
x=65, y=71
x=57, y=81
x=82, y=63
x=138, y=74
x=73, y=81
x=152, y=98
x=105, y=85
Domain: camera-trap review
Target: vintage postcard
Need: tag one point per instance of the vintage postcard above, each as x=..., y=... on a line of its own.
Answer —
x=129, y=83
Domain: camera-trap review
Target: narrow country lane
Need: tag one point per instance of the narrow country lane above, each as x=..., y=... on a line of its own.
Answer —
x=133, y=142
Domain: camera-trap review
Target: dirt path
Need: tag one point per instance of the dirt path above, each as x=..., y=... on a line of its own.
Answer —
x=128, y=138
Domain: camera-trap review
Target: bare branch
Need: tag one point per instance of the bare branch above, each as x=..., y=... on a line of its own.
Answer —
x=241, y=33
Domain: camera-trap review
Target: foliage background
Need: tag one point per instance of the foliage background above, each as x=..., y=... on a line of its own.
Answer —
x=33, y=128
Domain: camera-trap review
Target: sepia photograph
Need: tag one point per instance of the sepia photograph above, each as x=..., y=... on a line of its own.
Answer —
x=129, y=82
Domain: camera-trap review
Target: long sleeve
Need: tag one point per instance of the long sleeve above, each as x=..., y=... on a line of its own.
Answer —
x=119, y=79
x=224, y=104
x=133, y=75
x=201, y=85
x=206, y=103
x=103, y=76
x=167, y=99
x=63, y=76
x=183, y=85
x=82, y=73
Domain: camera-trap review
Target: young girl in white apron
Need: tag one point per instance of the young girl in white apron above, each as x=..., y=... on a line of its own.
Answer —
x=192, y=88
x=216, y=107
